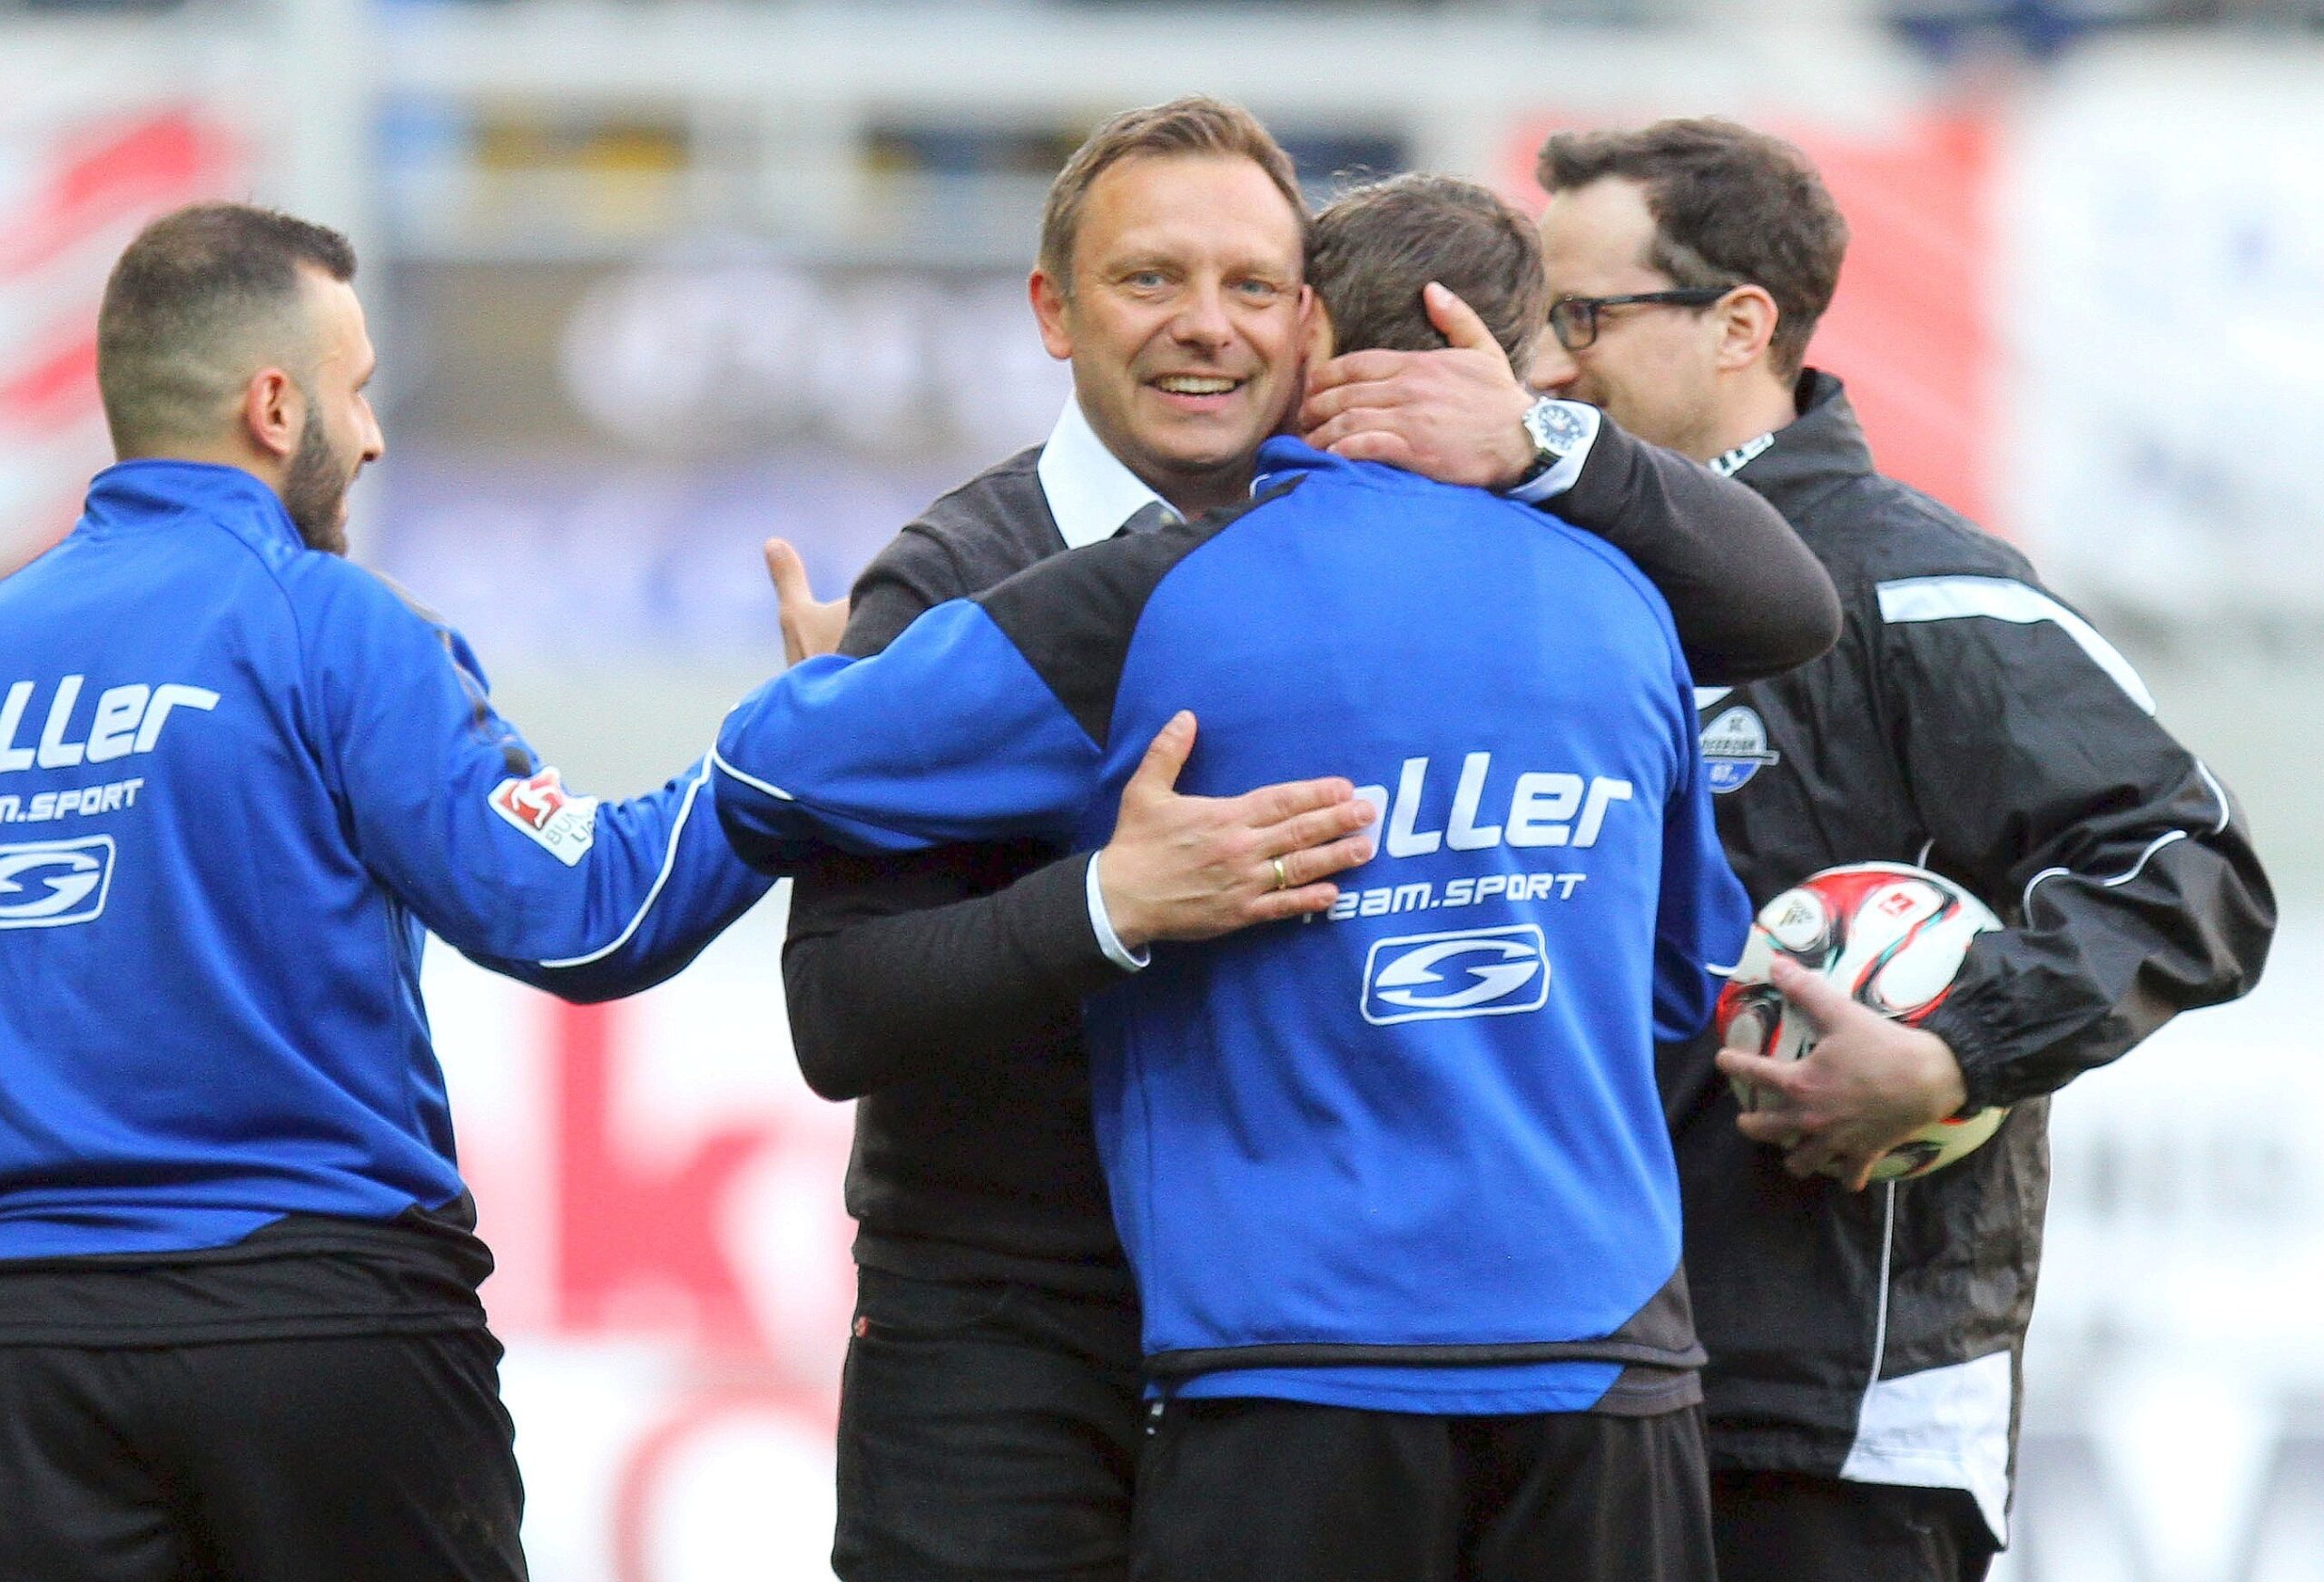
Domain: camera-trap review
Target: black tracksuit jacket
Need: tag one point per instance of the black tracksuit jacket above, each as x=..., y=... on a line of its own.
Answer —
x=1967, y=722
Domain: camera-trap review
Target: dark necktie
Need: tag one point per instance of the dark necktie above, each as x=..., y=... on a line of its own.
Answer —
x=1154, y=514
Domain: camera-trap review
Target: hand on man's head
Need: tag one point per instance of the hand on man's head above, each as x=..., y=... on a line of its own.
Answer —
x=1193, y=868
x=1456, y=414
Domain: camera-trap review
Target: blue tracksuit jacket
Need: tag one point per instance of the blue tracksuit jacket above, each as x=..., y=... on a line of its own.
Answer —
x=1410, y=1156
x=238, y=778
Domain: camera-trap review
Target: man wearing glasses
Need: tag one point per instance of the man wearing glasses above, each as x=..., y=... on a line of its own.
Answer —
x=1866, y=1346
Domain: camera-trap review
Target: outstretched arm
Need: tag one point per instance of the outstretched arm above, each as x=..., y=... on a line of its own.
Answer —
x=903, y=965
x=915, y=966
x=451, y=810
x=948, y=735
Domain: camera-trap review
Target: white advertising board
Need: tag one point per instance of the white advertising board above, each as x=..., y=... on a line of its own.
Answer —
x=2163, y=304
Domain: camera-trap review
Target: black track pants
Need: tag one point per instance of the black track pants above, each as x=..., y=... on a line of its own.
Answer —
x=988, y=1433
x=1789, y=1527
x=366, y=1459
x=1281, y=1491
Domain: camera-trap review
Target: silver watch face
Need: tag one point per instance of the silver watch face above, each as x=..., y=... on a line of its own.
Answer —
x=1555, y=427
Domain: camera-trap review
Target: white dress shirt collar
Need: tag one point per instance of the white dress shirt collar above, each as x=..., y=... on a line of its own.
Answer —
x=1090, y=492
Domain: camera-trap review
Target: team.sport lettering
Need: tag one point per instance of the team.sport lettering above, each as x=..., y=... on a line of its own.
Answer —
x=90, y=798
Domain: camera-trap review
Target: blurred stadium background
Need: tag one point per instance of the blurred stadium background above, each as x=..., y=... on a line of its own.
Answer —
x=652, y=280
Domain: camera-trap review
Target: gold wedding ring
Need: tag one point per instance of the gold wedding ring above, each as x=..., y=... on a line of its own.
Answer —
x=1282, y=874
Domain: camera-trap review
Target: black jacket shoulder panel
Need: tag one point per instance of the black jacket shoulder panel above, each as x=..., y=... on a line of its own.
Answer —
x=996, y=523
x=1866, y=527
x=1876, y=530
x=1005, y=500
x=1072, y=617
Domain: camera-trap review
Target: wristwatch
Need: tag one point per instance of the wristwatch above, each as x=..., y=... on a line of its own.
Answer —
x=1555, y=427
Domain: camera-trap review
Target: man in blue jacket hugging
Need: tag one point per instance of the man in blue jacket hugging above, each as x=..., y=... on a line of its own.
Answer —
x=1395, y=1182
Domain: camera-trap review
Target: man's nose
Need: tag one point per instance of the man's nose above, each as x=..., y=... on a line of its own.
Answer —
x=1202, y=319
x=1553, y=366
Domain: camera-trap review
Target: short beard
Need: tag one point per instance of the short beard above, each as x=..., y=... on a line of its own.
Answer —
x=314, y=487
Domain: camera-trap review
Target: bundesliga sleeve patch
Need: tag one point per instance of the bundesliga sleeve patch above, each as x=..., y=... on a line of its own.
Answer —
x=561, y=824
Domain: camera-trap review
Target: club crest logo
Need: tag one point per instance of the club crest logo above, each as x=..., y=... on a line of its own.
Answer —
x=1735, y=748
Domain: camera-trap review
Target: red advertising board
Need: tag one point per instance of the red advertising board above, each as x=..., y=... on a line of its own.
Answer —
x=93, y=181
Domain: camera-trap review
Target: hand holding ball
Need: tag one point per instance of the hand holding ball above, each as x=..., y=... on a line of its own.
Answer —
x=1889, y=937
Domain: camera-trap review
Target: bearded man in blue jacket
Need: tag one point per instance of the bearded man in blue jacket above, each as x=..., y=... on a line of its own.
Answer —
x=1394, y=1183
x=239, y=1334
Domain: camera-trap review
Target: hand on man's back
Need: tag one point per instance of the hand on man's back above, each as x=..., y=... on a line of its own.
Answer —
x=1193, y=868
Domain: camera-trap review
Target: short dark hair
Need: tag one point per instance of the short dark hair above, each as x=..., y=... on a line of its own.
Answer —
x=1376, y=245
x=1731, y=207
x=1196, y=126
x=196, y=303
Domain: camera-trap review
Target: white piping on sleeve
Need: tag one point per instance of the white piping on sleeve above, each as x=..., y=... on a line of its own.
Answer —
x=2157, y=844
x=2153, y=846
x=2217, y=790
x=1999, y=598
x=2025, y=901
x=669, y=861
x=751, y=780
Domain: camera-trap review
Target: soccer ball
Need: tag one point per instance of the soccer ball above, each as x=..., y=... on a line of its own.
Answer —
x=1892, y=937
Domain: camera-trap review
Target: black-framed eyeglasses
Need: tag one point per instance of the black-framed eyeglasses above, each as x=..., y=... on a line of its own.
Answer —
x=1574, y=319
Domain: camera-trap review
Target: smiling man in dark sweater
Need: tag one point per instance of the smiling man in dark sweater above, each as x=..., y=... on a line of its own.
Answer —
x=991, y=1413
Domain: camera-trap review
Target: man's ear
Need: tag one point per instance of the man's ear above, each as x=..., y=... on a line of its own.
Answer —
x=1747, y=323
x=1048, y=311
x=1314, y=328
x=274, y=412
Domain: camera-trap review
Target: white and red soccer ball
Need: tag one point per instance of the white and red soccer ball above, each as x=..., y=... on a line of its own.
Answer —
x=1889, y=936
